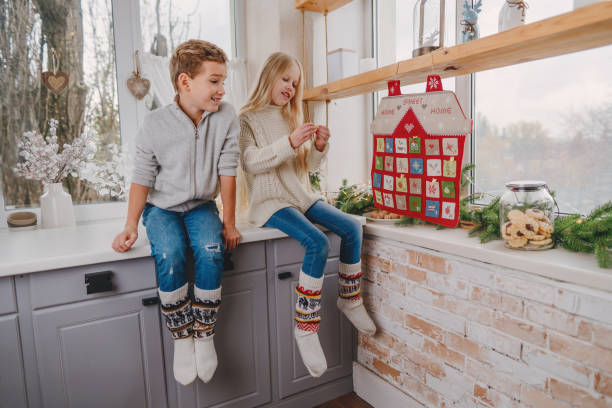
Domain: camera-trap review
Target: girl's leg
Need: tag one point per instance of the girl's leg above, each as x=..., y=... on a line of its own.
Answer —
x=349, y=290
x=308, y=306
x=167, y=237
x=204, y=229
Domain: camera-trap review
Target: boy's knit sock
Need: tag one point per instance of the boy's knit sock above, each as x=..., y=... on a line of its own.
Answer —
x=349, y=298
x=205, y=307
x=176, y=308
x=307, y=319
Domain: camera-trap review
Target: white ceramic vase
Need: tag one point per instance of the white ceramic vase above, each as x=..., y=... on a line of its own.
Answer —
x=510, y=15
x=56, y=207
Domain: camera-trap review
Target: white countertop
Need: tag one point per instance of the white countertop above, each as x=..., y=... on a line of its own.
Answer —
x=46, y=249
x=557, y=263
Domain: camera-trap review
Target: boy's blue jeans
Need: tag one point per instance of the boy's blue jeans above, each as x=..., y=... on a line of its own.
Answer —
x=301, y=227
x=171, y=233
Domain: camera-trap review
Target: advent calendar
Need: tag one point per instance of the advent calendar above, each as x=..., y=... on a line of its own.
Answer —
x=418, y=150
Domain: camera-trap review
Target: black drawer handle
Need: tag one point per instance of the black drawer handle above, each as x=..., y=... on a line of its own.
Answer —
x=150, y=301
x=284, y=275
x=98, y=282
x=228, y=263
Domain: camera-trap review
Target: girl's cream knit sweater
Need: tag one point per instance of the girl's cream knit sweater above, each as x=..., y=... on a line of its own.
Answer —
x=272, y=172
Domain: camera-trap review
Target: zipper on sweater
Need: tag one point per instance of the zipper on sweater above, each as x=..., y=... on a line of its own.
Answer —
x=195, y=163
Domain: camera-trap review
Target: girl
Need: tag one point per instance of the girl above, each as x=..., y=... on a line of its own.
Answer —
x=277, y=151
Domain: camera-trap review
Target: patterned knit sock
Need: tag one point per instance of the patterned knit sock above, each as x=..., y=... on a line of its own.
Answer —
x=205, y=308
x=307, y=323
x=176, y=307
x=349, y=298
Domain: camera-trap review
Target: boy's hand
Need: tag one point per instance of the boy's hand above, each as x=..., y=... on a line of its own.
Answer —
x=322, y=137
x=302, y=134
x=231, y=237
x=125, y=239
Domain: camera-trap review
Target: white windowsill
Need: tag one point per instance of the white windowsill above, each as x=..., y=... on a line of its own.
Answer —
x=557, y=263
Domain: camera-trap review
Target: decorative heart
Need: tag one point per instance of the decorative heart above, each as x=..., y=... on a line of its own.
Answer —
x=138, y=85
x=408, y=127
x=56, y=83
x=431, y=146
x=424, y=106
x=399, y=107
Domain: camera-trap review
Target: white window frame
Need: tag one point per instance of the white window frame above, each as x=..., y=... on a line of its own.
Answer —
x=127, y=37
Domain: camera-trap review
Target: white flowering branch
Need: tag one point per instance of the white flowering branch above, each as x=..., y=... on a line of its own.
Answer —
x=109, y=177
x=42, y=161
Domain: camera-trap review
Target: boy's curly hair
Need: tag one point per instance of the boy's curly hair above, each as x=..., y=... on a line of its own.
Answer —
x=189, y=56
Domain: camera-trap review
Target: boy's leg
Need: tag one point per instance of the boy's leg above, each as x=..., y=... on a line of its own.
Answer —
x=349, y=288
x=167, y=237
x=293, y=223
x=204, y=229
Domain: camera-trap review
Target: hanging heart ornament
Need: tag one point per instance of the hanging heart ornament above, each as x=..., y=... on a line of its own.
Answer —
x=56, y=81
x=138, y=85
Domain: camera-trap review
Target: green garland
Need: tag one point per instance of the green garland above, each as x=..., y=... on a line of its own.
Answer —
x=354, y=199
x=592, y=234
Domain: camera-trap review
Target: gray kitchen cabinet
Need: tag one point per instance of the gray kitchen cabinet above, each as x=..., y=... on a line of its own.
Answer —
x=242, y=378
x=102, y=353
x=335, y=332
x=12, y=384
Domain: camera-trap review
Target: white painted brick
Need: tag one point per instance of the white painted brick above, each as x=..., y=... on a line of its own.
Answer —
x=595, y=308
x=449, y=285
x=472, y=273
x=494, y=339
x=441, y=318
x=518, y=370
x=565, y=300
x=555, y=365
x=454, y=386
x=526, y=289
x=406, y=336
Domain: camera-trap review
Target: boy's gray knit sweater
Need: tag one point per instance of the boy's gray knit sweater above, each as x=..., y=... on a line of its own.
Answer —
x=181, y=162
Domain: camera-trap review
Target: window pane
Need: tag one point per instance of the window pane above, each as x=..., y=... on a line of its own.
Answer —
x=81, y=36
x=549, y=119
x=167, y=23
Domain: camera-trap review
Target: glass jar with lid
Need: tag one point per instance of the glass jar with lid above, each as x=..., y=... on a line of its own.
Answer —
x=428, y=26
x=526, y=215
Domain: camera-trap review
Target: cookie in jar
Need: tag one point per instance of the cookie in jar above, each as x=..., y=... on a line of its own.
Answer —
x=526, y=215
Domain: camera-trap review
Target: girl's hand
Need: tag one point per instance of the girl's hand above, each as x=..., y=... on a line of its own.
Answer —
x=302, y=134
x=231, y=237
x=125, y=239
x=322, y=138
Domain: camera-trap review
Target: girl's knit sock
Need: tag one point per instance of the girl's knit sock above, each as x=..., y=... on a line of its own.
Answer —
x=349, y=298
x=307, y=319
x=176, y=308
x=205, y=307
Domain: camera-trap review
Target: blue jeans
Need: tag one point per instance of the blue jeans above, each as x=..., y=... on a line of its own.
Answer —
x=301, y=227
x=172, y=233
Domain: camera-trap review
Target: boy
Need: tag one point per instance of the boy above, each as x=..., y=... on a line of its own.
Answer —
x=185, y=152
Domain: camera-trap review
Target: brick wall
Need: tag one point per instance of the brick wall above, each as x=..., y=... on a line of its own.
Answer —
x=457, y=332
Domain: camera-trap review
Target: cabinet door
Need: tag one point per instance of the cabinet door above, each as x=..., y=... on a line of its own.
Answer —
x=102, y=353
x=335, y=332
x=241, y=338
x=12, y=386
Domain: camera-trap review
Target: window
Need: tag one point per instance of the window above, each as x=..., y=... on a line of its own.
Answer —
x=94, y=42
x=549, y=119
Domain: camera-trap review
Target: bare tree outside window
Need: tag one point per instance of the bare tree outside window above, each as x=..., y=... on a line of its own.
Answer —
x=81, y=34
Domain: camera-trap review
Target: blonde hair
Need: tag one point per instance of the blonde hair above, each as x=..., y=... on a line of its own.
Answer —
x=261, y=95
x=189, y=56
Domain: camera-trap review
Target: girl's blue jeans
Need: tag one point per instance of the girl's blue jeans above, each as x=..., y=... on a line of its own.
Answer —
x=172, y=234
x=301, y=227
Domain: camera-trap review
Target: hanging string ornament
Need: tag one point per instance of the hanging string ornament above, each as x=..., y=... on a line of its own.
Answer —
x=56, y=81
x=138, y=85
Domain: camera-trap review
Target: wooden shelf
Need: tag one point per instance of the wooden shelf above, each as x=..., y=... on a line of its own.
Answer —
x=320, y=6
x=582, y=29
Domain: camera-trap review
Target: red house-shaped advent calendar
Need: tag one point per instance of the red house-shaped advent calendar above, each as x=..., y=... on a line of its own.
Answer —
x=418, y=150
